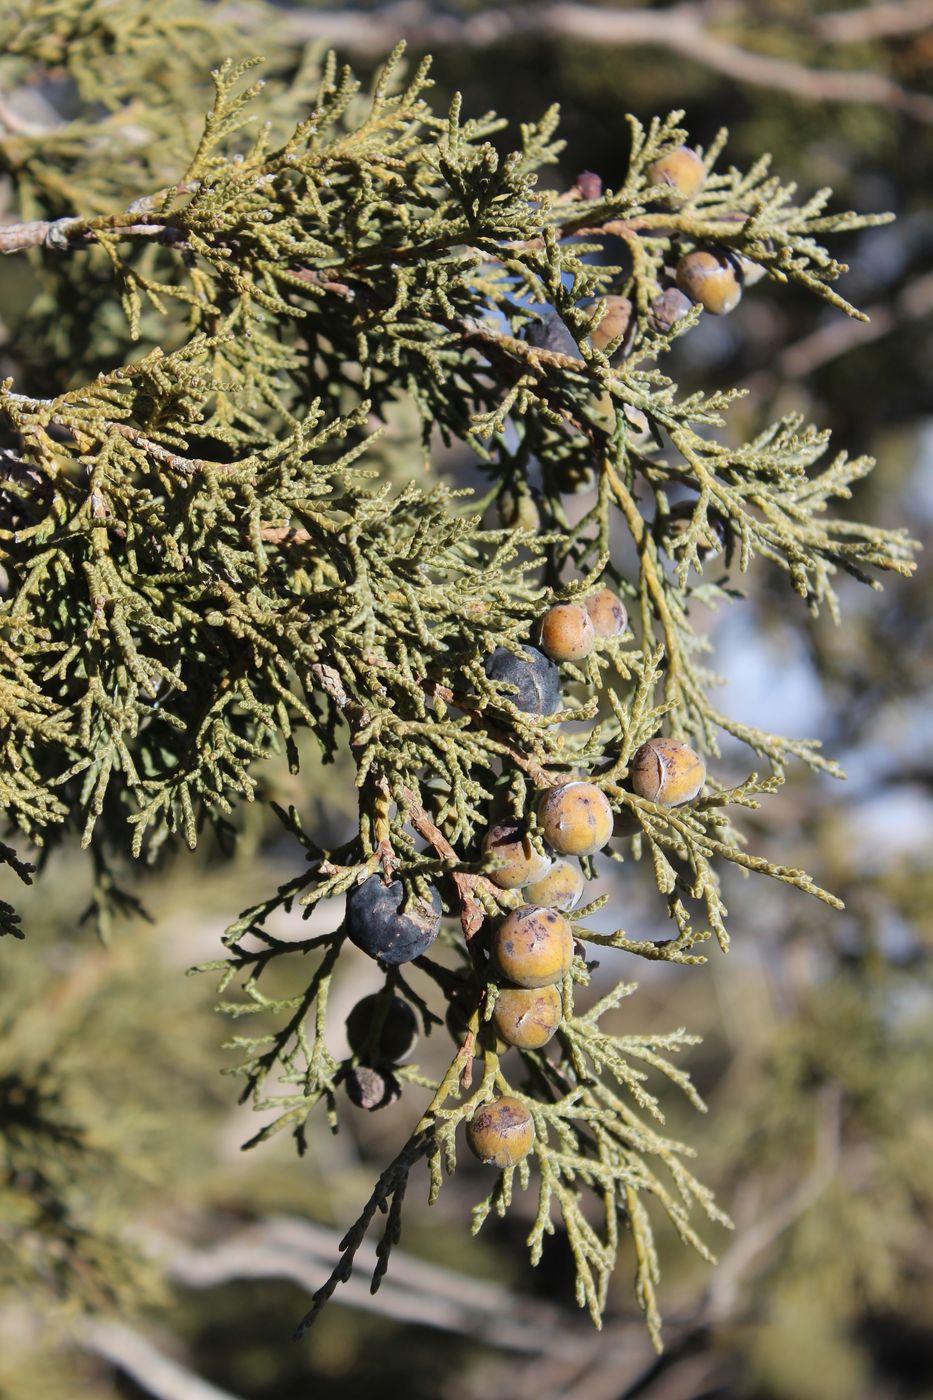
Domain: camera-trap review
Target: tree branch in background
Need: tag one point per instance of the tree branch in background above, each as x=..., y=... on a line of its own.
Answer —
x=413, y=1292
x=804, y=357
x=875, y=21
x=157, y=1374
x=763, y=1231
x=681, y=30
x=597, y=1367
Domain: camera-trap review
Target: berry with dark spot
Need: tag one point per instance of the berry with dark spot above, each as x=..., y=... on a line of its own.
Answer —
x=567, y=632
x=535, y=677
x=561, y=888
x=501, y=1133
x=372, y=1088
x=681, y=170
x=712, y=279
x=668, y=772
x=518, y=861
x=607, y=613
x=576, y=818
x=533, y=947
x=378, y=926
x=527, y=1017
x=382, y=1027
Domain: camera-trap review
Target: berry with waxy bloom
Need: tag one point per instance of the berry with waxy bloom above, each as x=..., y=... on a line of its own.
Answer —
x=549, y=332
x=527, y=1017
x=567, y=632
x=397, y=1027
x=667, y=309
x=607, y=613
x=712, y=279
x=518, y=861
x=535, y=677
x=379, y=927
x=668, y=772
x=589, y=185
x=752, y=272
x=575, y=818
x=561, y=888
x=501, y=1133
x=680, y=170
x=533, y=947
x=371, y=1088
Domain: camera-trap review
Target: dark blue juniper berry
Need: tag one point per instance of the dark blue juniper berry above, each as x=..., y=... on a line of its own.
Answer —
x=535, y=677
x=377, y=925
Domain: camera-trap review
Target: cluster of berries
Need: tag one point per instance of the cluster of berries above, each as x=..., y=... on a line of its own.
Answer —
x=569, y=632
x=710, y=276
x=531, y=949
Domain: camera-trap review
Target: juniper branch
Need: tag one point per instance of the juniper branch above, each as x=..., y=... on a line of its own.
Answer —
x=205, y=566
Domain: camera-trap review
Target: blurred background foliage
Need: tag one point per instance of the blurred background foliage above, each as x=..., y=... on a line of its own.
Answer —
x=139, y=1248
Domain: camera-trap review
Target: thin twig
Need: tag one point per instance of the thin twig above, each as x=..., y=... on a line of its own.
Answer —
x=63, y=235
x=471, y=911
x=17, y=125
x=68, y=233
x=187, y=466
x=329, y=681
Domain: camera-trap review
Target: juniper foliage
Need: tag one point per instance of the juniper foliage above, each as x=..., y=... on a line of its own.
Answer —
x=205, y=566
